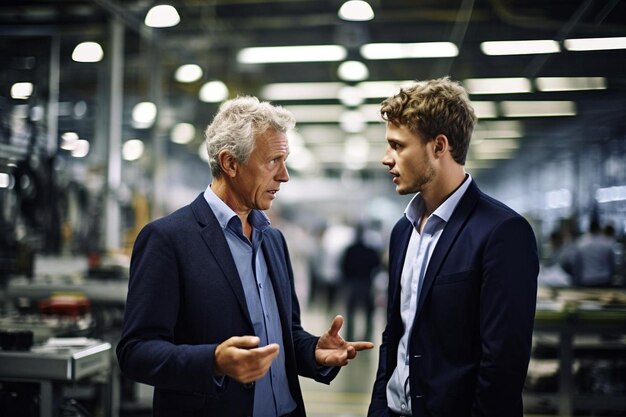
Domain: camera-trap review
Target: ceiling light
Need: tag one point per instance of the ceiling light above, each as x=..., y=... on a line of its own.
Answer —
x=162, y=16
x=214, y=92
x=188, y=73
x=21, y=91
x=69, y=140
x=303, y=53
x=497, y=85
x=610, y=194
x=382, y=89
x=356, y=152
x=356, y=11
x=203, y=153
x=5, y=180
x=316, y=113
x=144, y=114
x=497, y=129
x=520, y=47
x=132, y=149
x=485, y=109
x=300, y=91
x=183, y=133
x=353, y=71
x=570, y=83
x=352, y=121
x=538, y=108
x=82, y=149
x=409, y=50
x=350, y=96
x=87, y=52
x=595, y=44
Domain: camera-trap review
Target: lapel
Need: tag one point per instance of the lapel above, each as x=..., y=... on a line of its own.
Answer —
x=398, y=262
x=447, y=239
x=213, y=236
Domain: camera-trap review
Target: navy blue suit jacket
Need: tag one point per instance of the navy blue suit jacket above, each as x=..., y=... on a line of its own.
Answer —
x=184, y=298
x=470, y=342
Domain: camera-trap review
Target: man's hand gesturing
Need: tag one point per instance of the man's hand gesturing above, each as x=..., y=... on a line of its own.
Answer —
x=241, y=359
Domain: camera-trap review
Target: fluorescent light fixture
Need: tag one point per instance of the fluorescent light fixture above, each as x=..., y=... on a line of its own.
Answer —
x=132, y=149
x=353, y=71
x=485, y=109
x=538, y=108
x=356, y=152
x=316, y=113
x=5, y=180
x=162, y=16
x=595, y=44
x=494, y=145
x=213, y=92
x=497, y=129
x=409, y=50
x=183, y=133
x=69, y=140
x=520, y=47
x=570, y=83
x=21, y=91
x=188, y=73
x=302, y=53
x=478, y=164
x=144, y=114
x=352, y=121
x=300, y=91
x=611, y=194
x=87, y=52
x=561, y=198
x=382, y=89
x=350, y=96
x=497, y=85
x=203, y=153
x=82, y=149
x=356, y=11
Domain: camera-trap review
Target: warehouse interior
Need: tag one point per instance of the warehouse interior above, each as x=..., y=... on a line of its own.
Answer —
x=102, y=119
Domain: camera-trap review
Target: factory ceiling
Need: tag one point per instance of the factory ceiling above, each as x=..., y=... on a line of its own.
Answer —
x=212, y=34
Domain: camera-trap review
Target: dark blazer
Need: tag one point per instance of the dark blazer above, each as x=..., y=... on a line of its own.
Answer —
x=184, y=298
x=470, y=343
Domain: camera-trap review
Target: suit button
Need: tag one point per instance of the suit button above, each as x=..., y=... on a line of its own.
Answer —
x=248, y=385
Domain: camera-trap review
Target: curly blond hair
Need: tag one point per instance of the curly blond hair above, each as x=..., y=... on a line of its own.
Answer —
x=433, y=107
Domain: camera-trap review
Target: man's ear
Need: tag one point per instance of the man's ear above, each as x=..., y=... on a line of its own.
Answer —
x=228, y=163
x=440, y=144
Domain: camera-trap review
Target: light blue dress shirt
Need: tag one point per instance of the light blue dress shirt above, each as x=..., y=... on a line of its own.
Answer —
x=418, y=254
x=272, y=397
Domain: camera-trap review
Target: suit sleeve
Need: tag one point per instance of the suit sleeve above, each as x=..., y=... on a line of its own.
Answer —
x=507, y=310
x=146, y=351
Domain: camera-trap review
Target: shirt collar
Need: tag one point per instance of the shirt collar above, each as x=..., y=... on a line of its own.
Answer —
x=225, y=214
x=415, y=208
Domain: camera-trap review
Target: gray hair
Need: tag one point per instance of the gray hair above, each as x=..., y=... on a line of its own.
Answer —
x=236, y=125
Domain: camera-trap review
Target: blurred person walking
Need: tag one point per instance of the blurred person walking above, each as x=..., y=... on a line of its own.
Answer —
x=359, y=263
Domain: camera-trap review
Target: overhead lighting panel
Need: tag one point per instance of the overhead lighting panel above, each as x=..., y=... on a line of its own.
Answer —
x=301, y=91
x=520, y=47
x=162, y=16
x=595, y=44
x=21, y=91
x=570, y=83
x=213, y=92
x=283, y=54
x=353, y=71
x=356, y=11
x=538, y=108
x=409, y=50
x=497, y=85
x=88, y=52
x=188, y=73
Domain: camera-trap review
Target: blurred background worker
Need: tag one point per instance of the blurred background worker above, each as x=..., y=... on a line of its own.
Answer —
x=359, y=264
